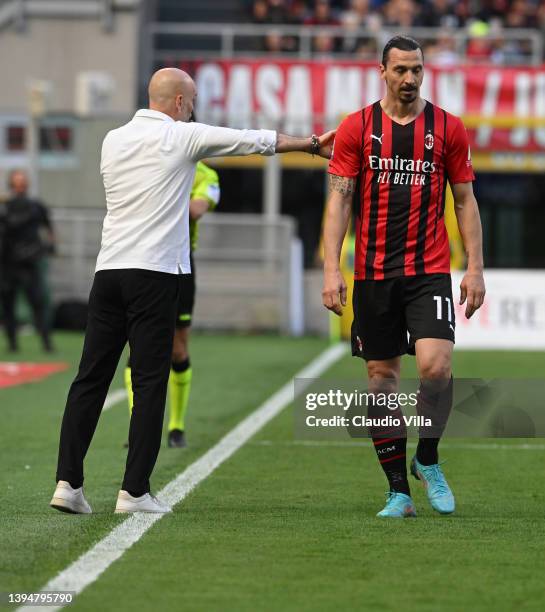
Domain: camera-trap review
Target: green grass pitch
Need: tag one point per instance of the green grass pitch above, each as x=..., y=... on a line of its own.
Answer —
x=280, y=525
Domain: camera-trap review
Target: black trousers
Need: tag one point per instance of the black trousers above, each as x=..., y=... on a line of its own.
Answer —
x=138, y=306
x=28, y=278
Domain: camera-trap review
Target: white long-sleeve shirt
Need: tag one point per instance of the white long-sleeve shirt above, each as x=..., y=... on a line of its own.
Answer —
x=148, y=167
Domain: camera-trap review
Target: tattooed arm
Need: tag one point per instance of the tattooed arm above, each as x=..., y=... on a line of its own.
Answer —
x=341, y=190
x=342, y=184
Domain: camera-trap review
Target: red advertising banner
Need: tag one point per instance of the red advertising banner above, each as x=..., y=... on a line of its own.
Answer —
x=14, y=373
x=300, y=97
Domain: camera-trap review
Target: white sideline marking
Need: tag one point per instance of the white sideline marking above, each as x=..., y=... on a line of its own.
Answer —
x=85, y=570
x=113, y=398
x=446, y=445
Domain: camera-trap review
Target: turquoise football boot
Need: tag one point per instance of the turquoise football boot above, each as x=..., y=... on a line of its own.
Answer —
x=435, y=483
x=398, y=505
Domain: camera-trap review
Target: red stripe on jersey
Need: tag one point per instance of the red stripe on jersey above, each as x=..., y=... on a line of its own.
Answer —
x=416, y=195
x=439, y=153
x=384, y=191
x=362, y=227
x=437, y=251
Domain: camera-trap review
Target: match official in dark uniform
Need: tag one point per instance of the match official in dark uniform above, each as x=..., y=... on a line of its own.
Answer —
x=147, y=167
x=27, y=239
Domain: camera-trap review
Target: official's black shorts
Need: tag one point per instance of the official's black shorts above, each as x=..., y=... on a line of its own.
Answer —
x=186, y=297
x=391, y=315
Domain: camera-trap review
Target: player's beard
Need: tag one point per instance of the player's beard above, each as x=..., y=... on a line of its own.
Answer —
x=408, y=95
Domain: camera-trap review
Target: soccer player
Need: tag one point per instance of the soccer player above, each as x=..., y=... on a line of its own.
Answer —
x=402, y=150
x=205, y=195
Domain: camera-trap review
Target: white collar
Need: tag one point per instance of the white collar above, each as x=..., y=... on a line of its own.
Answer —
x=152, y=114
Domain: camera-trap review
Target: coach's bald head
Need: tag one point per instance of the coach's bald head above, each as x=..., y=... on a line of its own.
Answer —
x=173, y=92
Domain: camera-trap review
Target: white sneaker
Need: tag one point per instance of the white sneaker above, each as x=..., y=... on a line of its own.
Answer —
x=145, y=503
x=67, y=499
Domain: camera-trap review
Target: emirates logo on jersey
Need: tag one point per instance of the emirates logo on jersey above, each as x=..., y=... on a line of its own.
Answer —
x=428, y=141
x=401, y=171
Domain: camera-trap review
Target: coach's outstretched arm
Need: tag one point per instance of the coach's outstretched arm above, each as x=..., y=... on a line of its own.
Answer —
x=204, y=141
x=472, y=286
x=337, y=217
x=173, y=93
x=319, y=145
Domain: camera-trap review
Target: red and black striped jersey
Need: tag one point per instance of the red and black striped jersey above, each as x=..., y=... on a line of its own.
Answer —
x=403, y=172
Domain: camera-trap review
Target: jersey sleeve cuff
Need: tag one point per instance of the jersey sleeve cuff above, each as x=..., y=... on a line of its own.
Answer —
x=462, y=179
x=342, y=173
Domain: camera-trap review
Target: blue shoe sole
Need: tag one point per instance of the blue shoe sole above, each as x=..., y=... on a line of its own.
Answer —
x=382, y=516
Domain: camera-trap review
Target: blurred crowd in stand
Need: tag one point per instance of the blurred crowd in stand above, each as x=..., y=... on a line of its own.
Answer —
x=484, y=21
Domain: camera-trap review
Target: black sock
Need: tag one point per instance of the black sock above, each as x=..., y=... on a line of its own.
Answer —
x=181, y=366
x=426, y=451
x=391, y=453
x=390, y=440
x=435, y=403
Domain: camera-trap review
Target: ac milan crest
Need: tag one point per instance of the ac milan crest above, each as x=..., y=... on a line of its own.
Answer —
x=428, y=141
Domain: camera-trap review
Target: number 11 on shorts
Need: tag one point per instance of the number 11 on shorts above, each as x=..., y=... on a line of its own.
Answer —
x=439, y=302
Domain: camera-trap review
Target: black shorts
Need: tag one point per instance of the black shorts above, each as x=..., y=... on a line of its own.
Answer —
x=390, y=315
x=186, y=297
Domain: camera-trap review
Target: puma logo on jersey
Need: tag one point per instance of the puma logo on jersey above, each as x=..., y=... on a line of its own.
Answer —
x=377, y=138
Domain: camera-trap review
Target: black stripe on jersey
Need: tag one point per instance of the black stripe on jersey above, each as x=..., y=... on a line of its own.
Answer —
x=429, y=126
x=376, y=147
x=440, y=202
x=397, y=222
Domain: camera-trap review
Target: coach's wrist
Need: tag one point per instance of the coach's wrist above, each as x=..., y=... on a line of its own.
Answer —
x=313, y=145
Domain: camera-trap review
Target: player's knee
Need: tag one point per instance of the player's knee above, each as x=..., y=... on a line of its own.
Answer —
x=382, y=373
x=438, y=368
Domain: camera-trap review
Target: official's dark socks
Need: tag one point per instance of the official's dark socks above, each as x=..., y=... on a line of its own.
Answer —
x=391, y=453
x=180, y=366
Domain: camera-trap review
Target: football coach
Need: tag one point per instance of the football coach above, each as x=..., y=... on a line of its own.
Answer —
x=147, y=168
